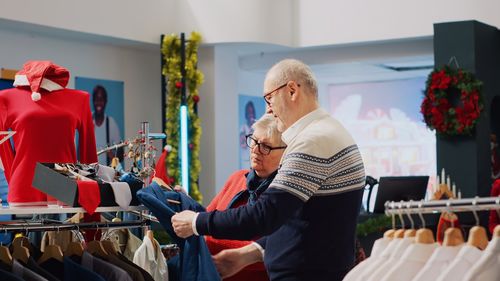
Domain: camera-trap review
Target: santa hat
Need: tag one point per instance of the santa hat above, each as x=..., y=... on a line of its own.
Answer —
x=42, y=74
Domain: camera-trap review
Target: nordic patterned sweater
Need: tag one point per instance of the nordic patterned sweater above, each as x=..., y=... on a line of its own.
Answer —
x=309, y=211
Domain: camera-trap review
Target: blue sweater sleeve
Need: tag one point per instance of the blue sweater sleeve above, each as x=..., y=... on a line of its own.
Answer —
x=246, y=222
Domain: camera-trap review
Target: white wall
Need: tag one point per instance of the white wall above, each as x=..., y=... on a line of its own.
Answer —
x=324, y=22
x=140, y=69
x=285, y=22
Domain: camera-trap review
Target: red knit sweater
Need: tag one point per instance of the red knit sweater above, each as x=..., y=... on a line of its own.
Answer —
x=45, y=133
x=235, y=183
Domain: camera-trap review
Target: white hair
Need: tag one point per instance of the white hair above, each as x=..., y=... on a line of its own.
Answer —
x=267, y=124
x=294, y=70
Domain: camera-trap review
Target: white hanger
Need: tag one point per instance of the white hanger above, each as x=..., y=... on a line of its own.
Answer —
x=8, y=134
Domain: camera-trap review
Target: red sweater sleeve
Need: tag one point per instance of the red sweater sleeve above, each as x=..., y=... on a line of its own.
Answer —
x=234, y=184
x=6, y=151
x=86, y=135
x=494, y=219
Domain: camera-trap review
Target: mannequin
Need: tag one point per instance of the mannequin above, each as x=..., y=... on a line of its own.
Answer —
x=45, y=116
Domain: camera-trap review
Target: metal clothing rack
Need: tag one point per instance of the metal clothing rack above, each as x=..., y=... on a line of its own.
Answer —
x=41, y=226
x=438, y=206
x=17, y=210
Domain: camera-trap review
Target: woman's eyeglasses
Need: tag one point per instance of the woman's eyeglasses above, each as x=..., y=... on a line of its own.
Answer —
x=263, y=148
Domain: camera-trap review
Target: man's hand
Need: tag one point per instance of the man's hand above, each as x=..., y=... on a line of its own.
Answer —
x=183, y=223
x=231, y=261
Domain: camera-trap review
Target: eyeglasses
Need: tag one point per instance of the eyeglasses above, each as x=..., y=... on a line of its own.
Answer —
x=263, y=148
x=267, y=96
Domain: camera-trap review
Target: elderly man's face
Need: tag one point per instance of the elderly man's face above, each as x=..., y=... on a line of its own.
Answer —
x=264, y=165
x=275, y=102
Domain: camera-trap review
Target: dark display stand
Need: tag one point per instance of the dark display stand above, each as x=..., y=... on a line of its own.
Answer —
x=476, y=47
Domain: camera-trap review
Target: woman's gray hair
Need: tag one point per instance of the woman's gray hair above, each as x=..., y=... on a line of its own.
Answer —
x=294, y=70
x=267, y=124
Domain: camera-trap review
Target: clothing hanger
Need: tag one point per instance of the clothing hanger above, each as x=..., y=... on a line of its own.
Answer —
x=400, y=232
x=496, y=231
x=95, y=247
x=75, y=248
x=109, y=246
x=51, y=252
x=21, y=252
x=477, y=234
x=410, y=232
x=452, y=236
x=423, y=235
x=150, y=235
x=5, y=255
x=389, y=234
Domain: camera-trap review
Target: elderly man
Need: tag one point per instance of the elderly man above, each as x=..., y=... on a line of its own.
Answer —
x=308, y=214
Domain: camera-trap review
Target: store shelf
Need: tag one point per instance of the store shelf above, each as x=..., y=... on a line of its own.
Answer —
x=55, y=209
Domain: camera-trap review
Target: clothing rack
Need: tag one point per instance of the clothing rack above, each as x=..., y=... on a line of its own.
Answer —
x=41, y=226
x=438, y=206
x=55, y=209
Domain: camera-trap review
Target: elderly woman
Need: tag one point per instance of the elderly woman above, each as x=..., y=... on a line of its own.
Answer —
x=245, y=186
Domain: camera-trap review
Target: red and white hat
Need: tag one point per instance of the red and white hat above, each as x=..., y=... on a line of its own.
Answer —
x=42, y=74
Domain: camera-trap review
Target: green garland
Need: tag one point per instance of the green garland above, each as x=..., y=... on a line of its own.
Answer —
x=170, y=48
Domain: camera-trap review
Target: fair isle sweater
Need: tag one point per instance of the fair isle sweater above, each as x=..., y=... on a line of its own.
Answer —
x=309, y=212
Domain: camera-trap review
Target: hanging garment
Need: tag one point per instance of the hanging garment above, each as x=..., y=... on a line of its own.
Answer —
x=465, y=259
x=385, y=255
x=8, y=276
x=410, y=263
x=487, y=268
x=494, y=220
x=106, y=270
x=381, y=271
x=132, y=272
x=378, y=248
x=54, y=267
x=76, y=272
x=21, y=271
x=195, y=261
x=45, y=130
x=145, y=274
x=437, y=263
x=33, y=265
x=150, y=257
x=124, y=241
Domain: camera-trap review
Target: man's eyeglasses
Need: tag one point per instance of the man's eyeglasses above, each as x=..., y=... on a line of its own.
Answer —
x=268, y=96
x=263, y=148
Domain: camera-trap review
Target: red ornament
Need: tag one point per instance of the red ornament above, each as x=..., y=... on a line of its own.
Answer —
x=196, y=98
x=178, y=84
x=191, y=146
x=443, y=116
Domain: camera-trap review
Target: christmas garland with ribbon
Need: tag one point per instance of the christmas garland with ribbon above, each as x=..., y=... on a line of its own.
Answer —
x=171, y=48
x=452, y=102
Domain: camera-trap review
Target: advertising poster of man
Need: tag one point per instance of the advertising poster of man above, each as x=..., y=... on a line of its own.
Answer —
x=107, y=105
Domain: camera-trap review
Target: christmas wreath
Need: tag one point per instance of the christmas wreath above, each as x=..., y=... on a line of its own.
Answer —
x=452, y=101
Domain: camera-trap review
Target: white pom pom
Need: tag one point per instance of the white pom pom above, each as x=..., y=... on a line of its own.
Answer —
x=36, y=96
x=168, y=148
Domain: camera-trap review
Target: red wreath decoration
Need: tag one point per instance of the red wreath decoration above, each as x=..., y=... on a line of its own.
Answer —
x=452, y=101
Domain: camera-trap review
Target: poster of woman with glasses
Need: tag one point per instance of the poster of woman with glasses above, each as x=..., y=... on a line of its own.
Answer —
x=250, y=108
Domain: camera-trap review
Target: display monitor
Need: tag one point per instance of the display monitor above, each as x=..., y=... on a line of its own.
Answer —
x=400, y=188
